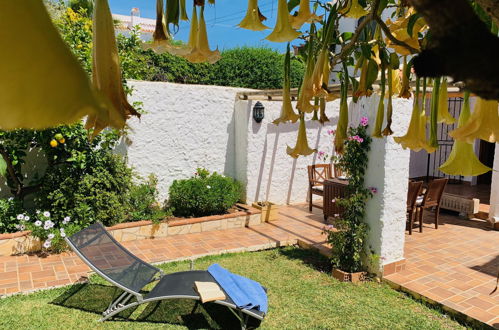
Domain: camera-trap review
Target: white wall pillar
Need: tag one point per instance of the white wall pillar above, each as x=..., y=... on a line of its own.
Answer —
x=388, y=172
x=494, y=191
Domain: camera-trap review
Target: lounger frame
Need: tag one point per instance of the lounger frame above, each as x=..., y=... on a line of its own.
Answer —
x=121, y=303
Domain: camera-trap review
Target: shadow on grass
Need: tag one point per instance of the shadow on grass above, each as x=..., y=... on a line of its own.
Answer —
x=95, y=298
x=310, y=258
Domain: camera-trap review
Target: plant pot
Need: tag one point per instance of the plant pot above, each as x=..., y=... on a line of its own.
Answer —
x=270, y=211
x=349, y=277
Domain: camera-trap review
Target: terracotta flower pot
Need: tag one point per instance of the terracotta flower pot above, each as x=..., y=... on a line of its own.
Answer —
x=349, y=277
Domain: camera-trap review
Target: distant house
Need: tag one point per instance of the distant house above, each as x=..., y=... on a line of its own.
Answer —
x=126, y=23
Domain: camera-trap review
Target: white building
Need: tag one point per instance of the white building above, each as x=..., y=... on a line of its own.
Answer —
x=126, y=23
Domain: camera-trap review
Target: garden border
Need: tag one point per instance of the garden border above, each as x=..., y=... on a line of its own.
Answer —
x=246, y=216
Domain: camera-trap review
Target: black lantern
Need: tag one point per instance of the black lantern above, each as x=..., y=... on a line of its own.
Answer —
x=258, y=112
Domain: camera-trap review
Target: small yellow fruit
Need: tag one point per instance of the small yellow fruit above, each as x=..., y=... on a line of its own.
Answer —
x=53, y=143
x=61, y=141
x=58, y=136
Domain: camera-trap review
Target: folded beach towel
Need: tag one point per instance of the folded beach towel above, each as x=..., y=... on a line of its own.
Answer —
x=245, y=293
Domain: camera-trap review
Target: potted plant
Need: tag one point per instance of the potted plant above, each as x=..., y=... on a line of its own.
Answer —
x=270, y=211
x=349, y=235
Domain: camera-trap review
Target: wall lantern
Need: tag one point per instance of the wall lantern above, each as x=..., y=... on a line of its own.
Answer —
x=258, y=112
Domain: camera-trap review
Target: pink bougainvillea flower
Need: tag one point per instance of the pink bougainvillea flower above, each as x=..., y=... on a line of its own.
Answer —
x=364, y=121
x=374, y=190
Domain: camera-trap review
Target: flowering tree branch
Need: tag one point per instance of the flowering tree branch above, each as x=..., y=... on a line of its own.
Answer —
x=390, y=36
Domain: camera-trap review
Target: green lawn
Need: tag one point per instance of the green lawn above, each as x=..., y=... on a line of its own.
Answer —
x=302, y=295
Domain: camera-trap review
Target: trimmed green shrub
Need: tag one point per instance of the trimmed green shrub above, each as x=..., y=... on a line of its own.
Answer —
x=203, y=194
x=9, y=209
x=142, y=201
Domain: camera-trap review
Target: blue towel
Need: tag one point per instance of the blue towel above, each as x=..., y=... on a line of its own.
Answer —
x=245, y=293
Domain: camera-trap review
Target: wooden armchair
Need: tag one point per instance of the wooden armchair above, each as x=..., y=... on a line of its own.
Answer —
x=317, y=174
x=432, y=198
x=412, y=197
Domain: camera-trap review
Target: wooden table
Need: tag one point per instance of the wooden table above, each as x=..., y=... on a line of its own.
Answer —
x=333, y=188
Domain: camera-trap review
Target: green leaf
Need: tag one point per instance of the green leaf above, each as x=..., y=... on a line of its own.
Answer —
x=3, y=167
x=412, y=21
x=292, y=4
x=394, y=61
x=372, y=72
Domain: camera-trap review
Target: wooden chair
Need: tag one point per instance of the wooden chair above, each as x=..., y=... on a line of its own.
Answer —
x=432, y=198
x=317, y=174
x=412, y=196
x=338, y=172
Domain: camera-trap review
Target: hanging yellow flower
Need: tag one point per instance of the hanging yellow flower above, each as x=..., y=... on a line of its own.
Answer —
x=415, y=138
x=389, y=109
x=443, y=108
x=106, y=72
x=462, y=159
x=161, y=39
x=287, y=113
x=253, y=19
x=483, y=124
x=41, y=82
x=399, y=31
x=304, y=15
x=396, y=82
x=306, y=93
x=380, y=115
x=354, y=10
x=405, y=89
x=301, y=148
x=322, y=111
x=183, y=11
x=318, y=73
x=283, y=32
x=201, y=52
x=342, y=127
x=362, y=87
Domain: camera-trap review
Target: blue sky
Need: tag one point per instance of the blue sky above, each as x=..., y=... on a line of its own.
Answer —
x=221, y=21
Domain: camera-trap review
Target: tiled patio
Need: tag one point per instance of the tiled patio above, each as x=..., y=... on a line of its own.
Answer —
x=26, y=273
x=455, y=266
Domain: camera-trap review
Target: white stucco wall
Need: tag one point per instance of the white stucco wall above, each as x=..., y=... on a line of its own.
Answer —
x=184, y=127
x=270, y=173
x=494, y=189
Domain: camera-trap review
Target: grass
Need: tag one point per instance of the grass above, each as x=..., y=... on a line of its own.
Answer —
x=302, y=295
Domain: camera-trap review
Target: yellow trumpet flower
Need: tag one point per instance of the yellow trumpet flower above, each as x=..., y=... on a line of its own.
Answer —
x=59, y=89
x=462, y=159
x=318, y=74
x=106, y=72
x=443, y=108
x=362, y=88
x=354, y=10
x=415, y=138
x=483, y=124
x=304, y=15
x=389, y=109
x=322, y=111
x=283, y=32
x=342, y=127
x=183, y=11
x=301, y=148
x=161, y=39
x=201, y=51
x=253, y=19
x=380, y=115
x=307, y=87
x=396, y=82
x=398, y=29
x=287, y=113
x=405, y=89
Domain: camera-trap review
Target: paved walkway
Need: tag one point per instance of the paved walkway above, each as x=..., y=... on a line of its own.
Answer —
x=27, y=273
x=455, y=265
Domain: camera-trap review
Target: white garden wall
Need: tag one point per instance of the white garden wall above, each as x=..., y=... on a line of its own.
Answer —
x=184, y=127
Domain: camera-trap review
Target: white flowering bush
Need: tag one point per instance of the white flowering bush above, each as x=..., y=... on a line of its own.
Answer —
x=50, y=231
